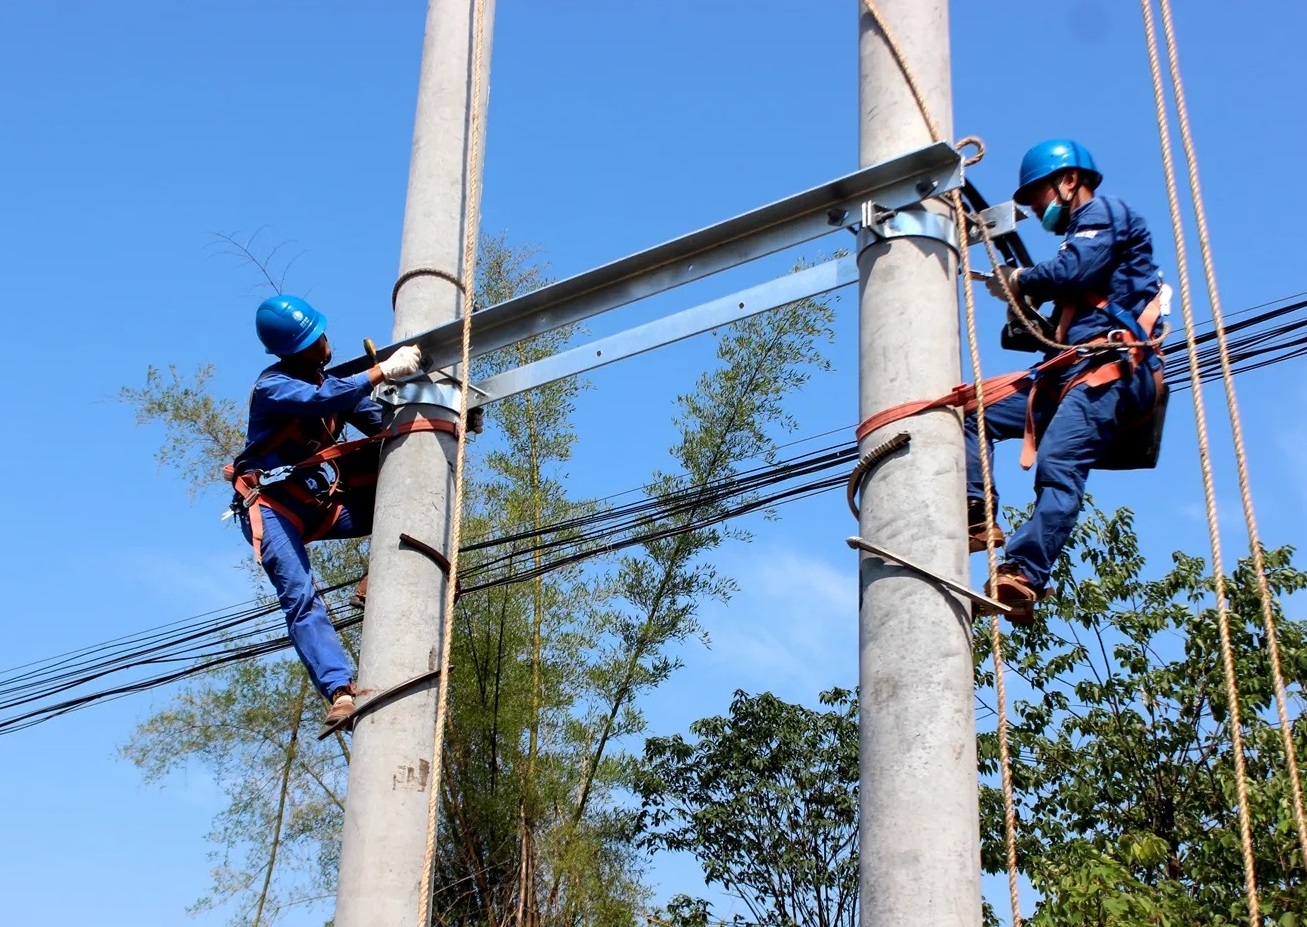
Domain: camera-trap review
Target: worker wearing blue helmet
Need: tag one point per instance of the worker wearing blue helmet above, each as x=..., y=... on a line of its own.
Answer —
x=1104, y=288
x=296, y=410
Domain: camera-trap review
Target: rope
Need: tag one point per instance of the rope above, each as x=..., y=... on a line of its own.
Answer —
x=991, y=556
x=1049, y=343
x=1204, y=457
x=996, y=636
x=911, y=79
x=471, y=224
x=971, y=141
x=1236, y=427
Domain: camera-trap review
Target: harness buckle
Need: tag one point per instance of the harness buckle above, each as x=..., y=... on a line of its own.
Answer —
x=250, y=484
x=246, y=488
x=268, y=477
x=1113, y=342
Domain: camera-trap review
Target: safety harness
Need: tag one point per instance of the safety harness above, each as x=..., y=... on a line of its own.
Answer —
x=257, y=488
x=1124, y=350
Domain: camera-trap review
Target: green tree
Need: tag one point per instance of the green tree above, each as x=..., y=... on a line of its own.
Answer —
x=1122, y=759
x=766, y=799
x=520, y=655
x=733, y=415
x=1123, y=767
x=251, y=728
x=547, y=673
x=247, y=724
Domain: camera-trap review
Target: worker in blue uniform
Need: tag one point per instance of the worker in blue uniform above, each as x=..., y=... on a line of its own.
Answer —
x=1104, y=286
x=296, y=410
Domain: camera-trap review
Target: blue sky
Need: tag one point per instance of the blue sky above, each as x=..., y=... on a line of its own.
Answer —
x=131, y=132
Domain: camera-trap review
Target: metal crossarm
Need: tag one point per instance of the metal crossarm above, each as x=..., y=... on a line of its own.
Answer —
x=809, y=282
x=892, y=184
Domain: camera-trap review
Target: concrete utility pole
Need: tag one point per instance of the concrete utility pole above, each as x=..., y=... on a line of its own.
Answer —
x=385, y=832
x=920, y=852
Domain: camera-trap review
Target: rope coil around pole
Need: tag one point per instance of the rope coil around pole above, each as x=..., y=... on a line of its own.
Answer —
x=1236, y=429
x=996, y=637
x=471, y=224
x=1204, y=457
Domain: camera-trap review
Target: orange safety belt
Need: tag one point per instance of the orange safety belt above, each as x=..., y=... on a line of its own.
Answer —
x=1000, y=387
x=248, y=487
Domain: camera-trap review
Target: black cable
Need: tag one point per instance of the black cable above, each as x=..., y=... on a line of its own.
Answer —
x=215, y=639
x=655, y=530
x=207, y=641
x=1009, y=245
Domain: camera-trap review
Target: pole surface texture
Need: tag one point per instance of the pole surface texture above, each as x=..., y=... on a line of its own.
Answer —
x=920, y=842
x=385, y=832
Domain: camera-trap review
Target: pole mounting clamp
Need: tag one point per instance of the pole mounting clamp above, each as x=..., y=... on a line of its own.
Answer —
x=915, y=221
x=443, y=394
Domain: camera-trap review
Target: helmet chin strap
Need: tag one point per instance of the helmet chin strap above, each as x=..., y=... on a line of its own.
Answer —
x=1069, y=201
x=1067, y=204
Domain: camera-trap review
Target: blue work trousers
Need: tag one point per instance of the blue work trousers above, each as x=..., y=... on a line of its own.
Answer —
x=1073, y=436
x=286, y=561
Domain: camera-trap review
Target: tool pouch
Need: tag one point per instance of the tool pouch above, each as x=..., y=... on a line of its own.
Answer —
x=1140, y=443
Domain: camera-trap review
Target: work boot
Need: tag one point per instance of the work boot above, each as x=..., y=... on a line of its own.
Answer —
x=342, y=704
x=979, y=531
x=1015, y=590
x=360, y=597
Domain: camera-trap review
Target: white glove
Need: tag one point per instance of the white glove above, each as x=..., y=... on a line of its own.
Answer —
x=403, y=363
x=995, y=283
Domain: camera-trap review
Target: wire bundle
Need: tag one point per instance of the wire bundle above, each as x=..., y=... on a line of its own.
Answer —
x=45, y=689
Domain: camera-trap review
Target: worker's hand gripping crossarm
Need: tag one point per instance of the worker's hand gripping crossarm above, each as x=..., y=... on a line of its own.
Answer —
x=403, y=363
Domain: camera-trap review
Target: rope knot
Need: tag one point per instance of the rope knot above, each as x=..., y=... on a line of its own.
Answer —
x=970, y=141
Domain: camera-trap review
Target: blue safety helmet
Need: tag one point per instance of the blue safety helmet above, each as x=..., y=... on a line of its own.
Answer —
x=287, y=324
x=1050, y=157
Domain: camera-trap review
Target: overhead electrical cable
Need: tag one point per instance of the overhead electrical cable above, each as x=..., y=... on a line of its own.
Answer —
x=30, y=693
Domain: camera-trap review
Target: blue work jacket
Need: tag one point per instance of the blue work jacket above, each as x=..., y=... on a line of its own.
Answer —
x=319, y=412
x=1107, y=254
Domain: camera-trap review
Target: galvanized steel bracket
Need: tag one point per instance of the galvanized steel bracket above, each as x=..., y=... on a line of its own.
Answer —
x=998, y=220
x=443, y=394
x=916, y=221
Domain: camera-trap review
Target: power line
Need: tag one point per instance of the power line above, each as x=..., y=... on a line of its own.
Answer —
x=218, y=638
x=605, y=532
